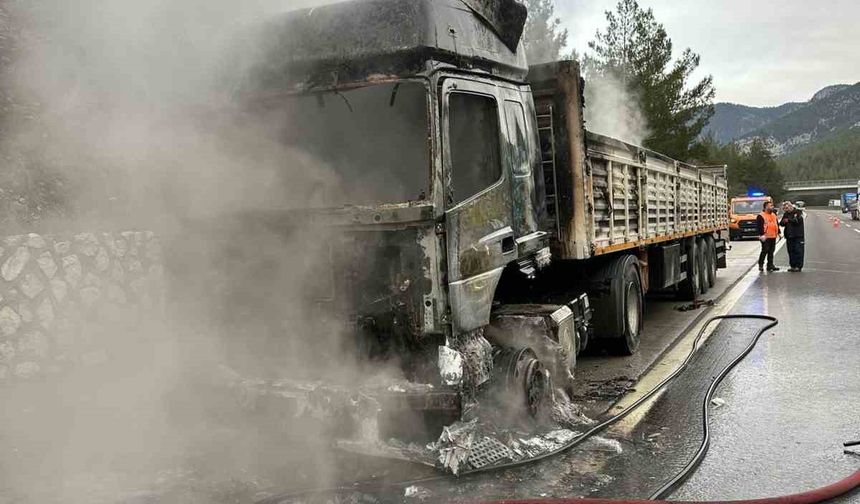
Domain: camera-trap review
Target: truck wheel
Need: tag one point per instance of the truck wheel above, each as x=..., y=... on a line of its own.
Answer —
x=711, y=247
x=702, y=251
x=688, y=289
x=523, y=375
x=618, y=313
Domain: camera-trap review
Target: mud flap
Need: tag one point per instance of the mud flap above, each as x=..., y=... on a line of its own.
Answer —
x=721, y=253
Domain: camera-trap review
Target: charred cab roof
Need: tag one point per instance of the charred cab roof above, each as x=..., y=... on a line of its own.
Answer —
x=362, y=40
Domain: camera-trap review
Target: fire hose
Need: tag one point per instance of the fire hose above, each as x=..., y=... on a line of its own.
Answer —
x=815, y=496
x=822, y=494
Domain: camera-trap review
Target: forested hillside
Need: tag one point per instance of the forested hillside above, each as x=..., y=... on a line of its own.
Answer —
x=836, y=157
x=835, y=110
x=732, y=121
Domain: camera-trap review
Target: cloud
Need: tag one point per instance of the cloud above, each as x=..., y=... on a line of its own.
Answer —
x=760, y=53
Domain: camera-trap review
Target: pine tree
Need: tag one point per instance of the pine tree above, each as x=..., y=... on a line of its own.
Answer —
x=544, y=38
x=763, y=171
x=636, y=50
x=750, y=167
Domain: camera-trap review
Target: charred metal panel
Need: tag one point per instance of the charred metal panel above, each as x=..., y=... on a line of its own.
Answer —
x=521, y=158
x=381, y=278
x=472, y=300
x=507, y=18
x=558, y=96
x=479, y=230
x=358, y=40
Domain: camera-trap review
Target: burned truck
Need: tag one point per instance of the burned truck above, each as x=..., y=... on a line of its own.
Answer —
x=478, y=237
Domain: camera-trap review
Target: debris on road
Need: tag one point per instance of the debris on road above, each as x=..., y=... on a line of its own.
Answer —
x=699, y=303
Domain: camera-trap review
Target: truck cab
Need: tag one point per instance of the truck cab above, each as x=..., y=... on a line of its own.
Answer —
x=743, y=211
x=410, y=138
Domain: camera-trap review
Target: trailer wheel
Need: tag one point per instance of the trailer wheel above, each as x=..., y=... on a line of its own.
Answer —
x=688, y=289
x=702, y=252
x=711, y=247
x=618, y=313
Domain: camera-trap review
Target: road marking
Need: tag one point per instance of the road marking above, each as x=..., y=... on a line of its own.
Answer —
x=857, y=230
x=676, y=355
x=838, y=272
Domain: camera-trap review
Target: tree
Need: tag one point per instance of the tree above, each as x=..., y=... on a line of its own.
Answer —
x=749, y=167
x=636, y=50
x=762, y=170
x=543, y=37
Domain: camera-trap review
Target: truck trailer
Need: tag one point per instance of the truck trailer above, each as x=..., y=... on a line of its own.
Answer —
x=486, y=237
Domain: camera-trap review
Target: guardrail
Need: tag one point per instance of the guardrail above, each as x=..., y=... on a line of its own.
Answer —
x=811, y=185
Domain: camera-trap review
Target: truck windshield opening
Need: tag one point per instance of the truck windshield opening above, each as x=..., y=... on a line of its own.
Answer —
x=747, y=207
x=370, y=144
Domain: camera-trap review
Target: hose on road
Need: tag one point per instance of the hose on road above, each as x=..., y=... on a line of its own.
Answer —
x=816, y=496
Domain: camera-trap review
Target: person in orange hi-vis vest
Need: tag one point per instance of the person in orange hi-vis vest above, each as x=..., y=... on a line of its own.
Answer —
x=768, y=232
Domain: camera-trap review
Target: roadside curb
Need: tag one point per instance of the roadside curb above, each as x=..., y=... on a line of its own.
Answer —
x=707, y=311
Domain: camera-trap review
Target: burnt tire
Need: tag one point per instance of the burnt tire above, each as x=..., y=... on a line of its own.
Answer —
x=702, y=251
x=712, y=260
x=689, y=288
x=618, y=311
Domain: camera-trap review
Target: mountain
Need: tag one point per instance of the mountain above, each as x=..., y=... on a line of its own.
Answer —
x=829, y=90
x=835, y=157
x=732, y=121
x=792, y=126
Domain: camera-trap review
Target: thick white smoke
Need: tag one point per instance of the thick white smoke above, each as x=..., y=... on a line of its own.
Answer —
x=131, y=102
x=613, y=110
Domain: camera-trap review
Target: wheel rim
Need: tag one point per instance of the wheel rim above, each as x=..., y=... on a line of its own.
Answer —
x=634, y=310
x=535, y=387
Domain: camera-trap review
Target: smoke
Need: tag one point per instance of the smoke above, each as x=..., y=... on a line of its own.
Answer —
x=613, y=110
x=132, y=105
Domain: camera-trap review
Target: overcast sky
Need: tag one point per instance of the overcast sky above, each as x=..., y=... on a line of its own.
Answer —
x=760, y=52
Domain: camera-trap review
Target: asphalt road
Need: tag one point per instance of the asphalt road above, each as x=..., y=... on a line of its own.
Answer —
x=786, y=409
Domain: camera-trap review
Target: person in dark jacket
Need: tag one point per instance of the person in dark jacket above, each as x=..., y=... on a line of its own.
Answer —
x=768, y=232
x=792, y=221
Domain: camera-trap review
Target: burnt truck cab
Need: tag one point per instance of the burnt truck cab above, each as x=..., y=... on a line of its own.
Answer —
x=420, y=109
x=427, y=190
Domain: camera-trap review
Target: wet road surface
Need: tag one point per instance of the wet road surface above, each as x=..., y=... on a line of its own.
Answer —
x=787, y=408
x=790, y=407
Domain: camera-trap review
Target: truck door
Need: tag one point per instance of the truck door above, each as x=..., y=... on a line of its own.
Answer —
x=478, y=218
